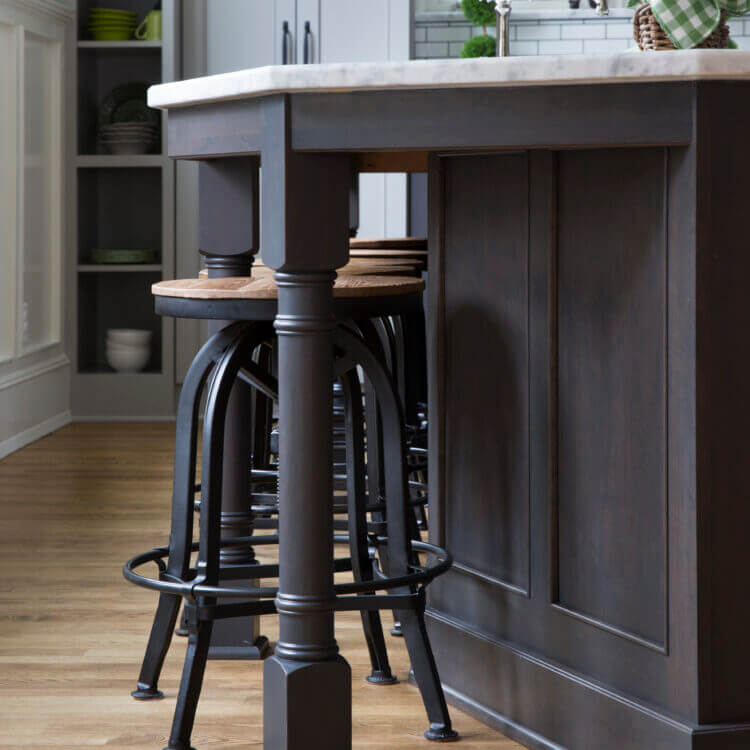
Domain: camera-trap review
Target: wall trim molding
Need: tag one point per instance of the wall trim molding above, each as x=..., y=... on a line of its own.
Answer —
x=34, y=433
x=33, y=371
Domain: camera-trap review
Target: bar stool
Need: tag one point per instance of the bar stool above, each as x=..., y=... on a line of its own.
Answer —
x=227, y=356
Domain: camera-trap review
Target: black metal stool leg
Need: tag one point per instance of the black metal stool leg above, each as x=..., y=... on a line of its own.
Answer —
x=208, y=565
x=181, y=535
x=397, y=516
x=357, y=511
x=376, y=339
x=196, y=656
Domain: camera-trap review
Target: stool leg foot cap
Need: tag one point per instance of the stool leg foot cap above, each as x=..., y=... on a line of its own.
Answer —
x=182, y=632
x=396, y=630
x=179, y=747
x=441, y=733
x=382, y=677
x=147, y=694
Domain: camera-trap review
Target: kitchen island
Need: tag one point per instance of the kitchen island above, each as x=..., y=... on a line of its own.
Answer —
x=589, y=397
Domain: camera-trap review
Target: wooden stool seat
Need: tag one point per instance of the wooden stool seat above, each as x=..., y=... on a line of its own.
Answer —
x=356, y=267
x=397, y=243
x=391, y=250
x=263, y=287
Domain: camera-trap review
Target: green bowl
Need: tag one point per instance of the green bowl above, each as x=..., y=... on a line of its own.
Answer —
x=112, y=19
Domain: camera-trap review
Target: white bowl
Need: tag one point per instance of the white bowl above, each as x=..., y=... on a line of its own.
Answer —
x=139, y=348
x=127, y=359
x=129, y=336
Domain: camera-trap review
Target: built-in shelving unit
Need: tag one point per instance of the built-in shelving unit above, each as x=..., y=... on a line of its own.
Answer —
x=122, y=201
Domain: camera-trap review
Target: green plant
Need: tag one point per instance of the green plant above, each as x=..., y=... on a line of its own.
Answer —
x=480, y=46
x=479, y=12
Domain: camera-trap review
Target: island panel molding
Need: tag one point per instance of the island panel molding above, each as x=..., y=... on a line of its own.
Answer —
x=612, y=298
x=487, y=325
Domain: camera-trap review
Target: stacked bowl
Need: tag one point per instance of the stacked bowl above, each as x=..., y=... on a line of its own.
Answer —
x=111, y=24
x=128, y=349
x=129, y=137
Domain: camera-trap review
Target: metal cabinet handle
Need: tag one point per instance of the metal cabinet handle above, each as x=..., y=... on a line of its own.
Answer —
x=285, y=43
x=307, y=48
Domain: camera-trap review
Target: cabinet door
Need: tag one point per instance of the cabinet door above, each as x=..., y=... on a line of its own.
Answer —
x=248, y=33
x=362, y=31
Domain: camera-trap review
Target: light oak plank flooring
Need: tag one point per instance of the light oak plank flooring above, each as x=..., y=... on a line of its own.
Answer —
x=73, y=507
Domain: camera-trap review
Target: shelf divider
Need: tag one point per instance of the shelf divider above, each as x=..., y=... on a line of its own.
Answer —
x=105, y=161
x=126, y=44
x=119, y=268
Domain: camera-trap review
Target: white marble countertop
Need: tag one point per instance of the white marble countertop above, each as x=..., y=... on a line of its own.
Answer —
x=628, y=67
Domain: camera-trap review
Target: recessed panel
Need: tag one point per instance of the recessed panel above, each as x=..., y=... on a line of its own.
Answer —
x=486, y=365
x=611, y=436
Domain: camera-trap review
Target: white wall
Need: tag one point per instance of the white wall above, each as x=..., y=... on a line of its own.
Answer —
x=36, y=44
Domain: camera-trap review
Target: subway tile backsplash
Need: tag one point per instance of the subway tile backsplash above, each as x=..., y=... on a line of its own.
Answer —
x=542, y=32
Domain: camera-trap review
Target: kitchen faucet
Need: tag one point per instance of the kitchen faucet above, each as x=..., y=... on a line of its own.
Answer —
x=503, y=27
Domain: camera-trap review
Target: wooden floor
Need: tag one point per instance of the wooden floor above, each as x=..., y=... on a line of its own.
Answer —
x=73, y=507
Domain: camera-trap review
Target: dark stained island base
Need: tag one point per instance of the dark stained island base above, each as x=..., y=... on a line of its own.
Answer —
x=589, y=390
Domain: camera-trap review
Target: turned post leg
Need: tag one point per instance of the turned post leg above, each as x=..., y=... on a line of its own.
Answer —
x=229, y=239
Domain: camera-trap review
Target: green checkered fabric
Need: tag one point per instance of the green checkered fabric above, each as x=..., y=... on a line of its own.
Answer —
x=688, y=22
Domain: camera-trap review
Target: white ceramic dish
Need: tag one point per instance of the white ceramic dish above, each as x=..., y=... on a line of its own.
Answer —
x=129, y=336
x=127, y=359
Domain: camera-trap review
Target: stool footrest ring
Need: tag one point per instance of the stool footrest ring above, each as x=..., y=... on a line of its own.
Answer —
x=357, y=595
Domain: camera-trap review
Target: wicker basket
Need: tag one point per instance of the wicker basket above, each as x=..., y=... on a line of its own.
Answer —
x=650, y=36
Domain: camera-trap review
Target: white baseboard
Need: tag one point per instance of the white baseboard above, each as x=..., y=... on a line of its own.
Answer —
x=34, y=433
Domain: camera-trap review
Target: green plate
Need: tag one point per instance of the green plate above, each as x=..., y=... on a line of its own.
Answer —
x=104, y=255
x=127, y=103
x=112, y=36
x=111, y=12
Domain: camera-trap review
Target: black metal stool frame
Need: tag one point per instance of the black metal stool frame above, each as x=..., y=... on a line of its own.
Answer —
x=202, y=589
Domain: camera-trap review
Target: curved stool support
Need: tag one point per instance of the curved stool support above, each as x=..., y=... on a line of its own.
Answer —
x=400, y=538
x=181, y=532
x=229, y=355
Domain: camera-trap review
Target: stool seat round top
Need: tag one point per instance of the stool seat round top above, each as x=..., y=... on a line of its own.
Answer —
x=263, y=287
x=355, y=267
x=390, y=243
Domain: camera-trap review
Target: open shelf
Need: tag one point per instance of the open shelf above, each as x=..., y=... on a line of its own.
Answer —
x=107, y=300
x=119, y=209
x=100, y=70
x=141, y=7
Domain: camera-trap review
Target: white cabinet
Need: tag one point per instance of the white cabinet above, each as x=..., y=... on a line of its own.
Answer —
x=336, y=31
x=250, y=33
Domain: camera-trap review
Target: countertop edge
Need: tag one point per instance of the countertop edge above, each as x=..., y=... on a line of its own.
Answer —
x=628, y=67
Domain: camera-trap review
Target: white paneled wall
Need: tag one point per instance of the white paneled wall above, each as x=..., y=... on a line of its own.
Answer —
x=34, y=369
